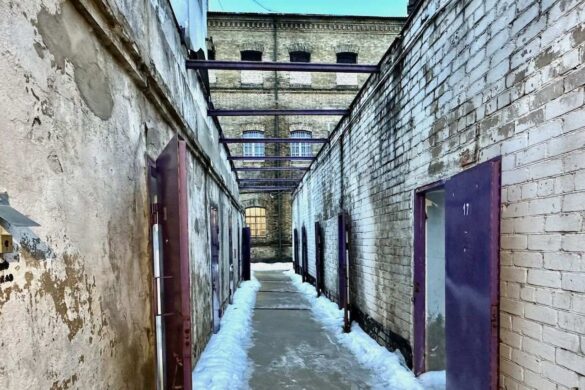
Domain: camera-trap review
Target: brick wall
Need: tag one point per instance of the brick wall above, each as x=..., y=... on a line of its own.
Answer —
x=468, y=81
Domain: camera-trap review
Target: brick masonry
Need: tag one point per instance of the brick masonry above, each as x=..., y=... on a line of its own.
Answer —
x=275, y=36
x=470, y=80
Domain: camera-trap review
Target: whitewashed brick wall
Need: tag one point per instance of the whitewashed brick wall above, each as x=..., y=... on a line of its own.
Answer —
x=472, y=80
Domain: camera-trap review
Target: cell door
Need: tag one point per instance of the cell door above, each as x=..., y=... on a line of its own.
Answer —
x=343, y=270
x=296, y=260
x=456, y=278
x=320, y=284
x=305, y=255
x=172, y=277
x=246, y=255
x=472, y=201
x=231, y=260
x=215, y=282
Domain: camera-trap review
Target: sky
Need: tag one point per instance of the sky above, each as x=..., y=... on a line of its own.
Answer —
x=335, y=7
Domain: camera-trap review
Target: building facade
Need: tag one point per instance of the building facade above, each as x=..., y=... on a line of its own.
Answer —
x=460, y=174
x=284, y=38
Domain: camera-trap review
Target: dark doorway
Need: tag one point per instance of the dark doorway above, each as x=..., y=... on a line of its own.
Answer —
x=215, y=282
x=305, y=255
x=320, y=283
x=456, y=316
x=246, y=248
x=172, y=290
x=343, y=269
x=231, y=260
x=296, y=259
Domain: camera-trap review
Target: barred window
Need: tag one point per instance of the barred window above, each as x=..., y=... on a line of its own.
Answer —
x=256, y=221
x=253, y=149
x=301, y=149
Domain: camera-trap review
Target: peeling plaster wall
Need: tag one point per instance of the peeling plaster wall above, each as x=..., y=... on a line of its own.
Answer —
x=89, y=90
x=468, y=81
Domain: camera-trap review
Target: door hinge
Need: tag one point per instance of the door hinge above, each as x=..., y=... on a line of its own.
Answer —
x=494, y=316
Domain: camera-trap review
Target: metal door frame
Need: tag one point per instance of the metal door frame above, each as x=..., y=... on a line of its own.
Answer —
x=215, y=273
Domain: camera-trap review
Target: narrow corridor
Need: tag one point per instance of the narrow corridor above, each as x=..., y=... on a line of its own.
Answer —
x=291, y=350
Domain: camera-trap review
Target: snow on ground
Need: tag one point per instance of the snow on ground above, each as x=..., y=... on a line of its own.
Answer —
x=434, y=380
x=271, y=266
x=224, y=362
x=388, y=366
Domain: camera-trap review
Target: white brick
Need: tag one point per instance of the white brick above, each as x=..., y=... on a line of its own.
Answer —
x=560, y=374
x=540, y=313
x=527, y=328
x=545, y=242
x=525, y=360
x=511, y=306
x=564, y=104
x=544, y=278
x=538, y=348
x=578, y=303
x=529, y=224
x=571, y=321
x=564, y=223
x=528, y=259
x=571, y=361
x=562, y=261
x=574, y=242
x=513, y=274
x=514, y=242
x=574, y=202
x=573, y=281
x=538, y=382
x=560, y=338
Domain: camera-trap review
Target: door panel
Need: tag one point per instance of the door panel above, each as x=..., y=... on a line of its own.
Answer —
x=172, y=180
x=320, y=284
x=472, y=260
x=305, y=256
x=343, y=268
x=296, y=251
x=246, y=248
x=216, y=301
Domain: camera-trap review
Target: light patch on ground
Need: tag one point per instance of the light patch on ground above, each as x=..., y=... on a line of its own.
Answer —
x=224, y=363
x=271, y=267
x=389, y=367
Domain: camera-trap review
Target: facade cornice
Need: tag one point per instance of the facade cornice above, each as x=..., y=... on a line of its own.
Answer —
x=345, y=24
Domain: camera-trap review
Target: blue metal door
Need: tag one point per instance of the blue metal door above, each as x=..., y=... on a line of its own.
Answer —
x=472, y=223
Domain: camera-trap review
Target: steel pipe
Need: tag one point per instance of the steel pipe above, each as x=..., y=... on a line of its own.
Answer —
x=270, y=158
x=274, y=140
x=265, y=169
x=282, y=66
x=283, y=112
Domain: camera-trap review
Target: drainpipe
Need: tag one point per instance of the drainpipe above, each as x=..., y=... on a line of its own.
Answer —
x=276, y=133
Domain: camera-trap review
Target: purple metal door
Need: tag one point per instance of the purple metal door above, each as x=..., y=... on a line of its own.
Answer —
x=246, y=247
x=296, y=251
x=172, y=180
x=320, y=284
x=472, y=263
x=305, y=256
x=215, y=283
x=343, y=270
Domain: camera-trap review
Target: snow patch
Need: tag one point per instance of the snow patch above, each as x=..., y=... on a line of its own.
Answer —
x=271, y=266
x=389, y=367
x=224, y=362
x=434, y=380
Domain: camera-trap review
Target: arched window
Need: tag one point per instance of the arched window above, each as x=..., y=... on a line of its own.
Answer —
x=300, y=56
x=253, y=149
x=251, y=55
x=347, y=58
x=301, y=149
x=256, y=221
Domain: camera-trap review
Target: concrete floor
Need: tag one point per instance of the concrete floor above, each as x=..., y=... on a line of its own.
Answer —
x=291, y=350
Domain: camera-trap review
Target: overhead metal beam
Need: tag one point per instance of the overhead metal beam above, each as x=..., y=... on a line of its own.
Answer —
x=283, y=112
x=270, y=158
x=282, y=66
x=266, y=189
x=274, y=140
x=270, y=180
x=266, y=169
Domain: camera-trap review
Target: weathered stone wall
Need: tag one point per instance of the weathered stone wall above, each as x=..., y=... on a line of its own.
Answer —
x=90, y=89
x=468, y=81
x=276, y=36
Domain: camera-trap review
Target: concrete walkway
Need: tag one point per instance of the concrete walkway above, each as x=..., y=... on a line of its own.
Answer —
x=290, y=349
